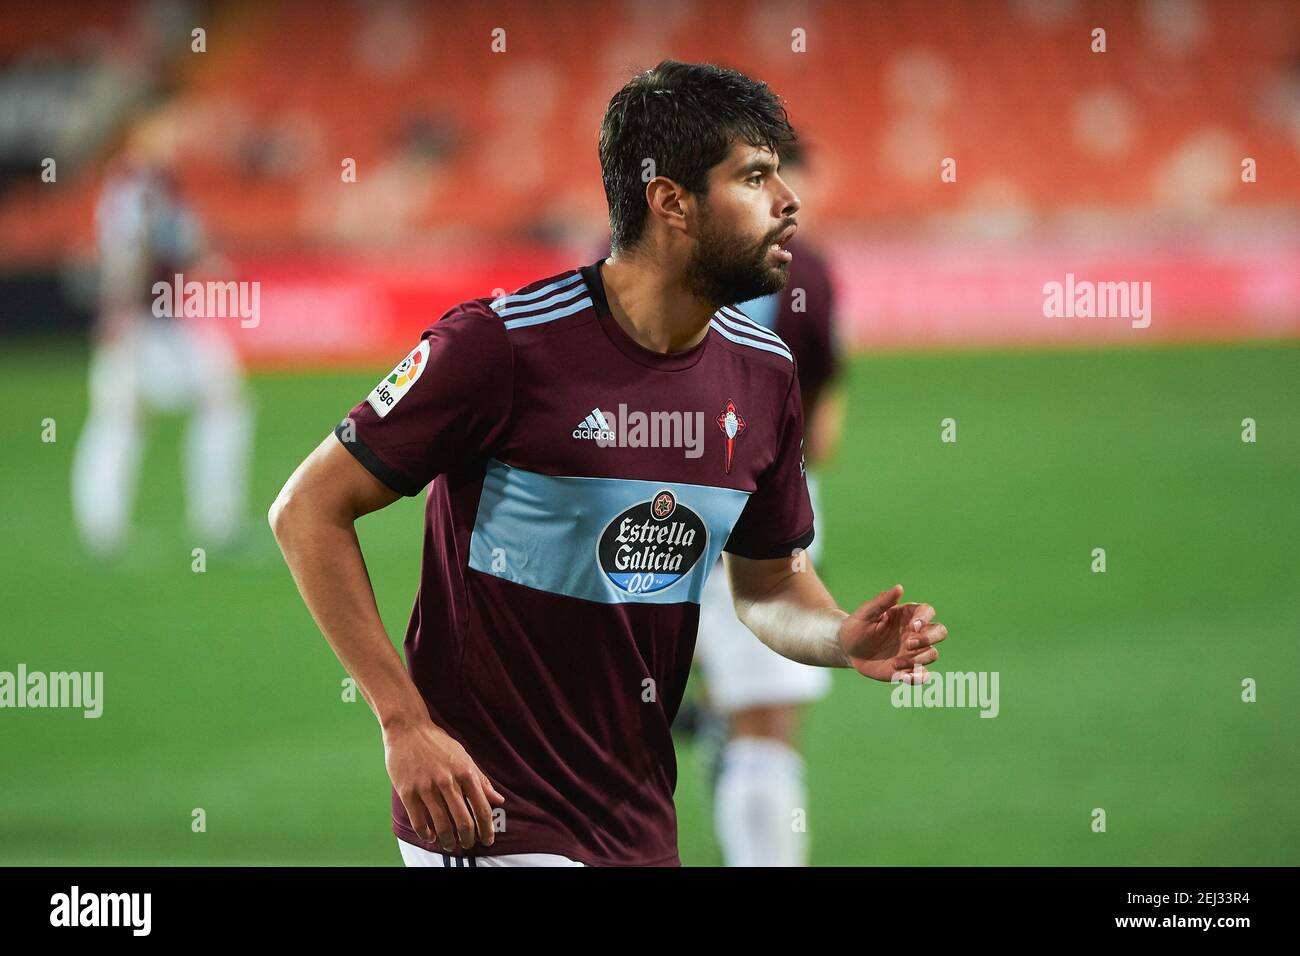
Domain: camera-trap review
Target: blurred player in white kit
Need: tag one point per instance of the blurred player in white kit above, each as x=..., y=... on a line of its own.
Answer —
x=760, y=694
x=144, y=361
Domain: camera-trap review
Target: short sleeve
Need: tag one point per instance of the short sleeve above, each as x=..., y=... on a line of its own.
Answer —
x=778, y=518
x=443, y=407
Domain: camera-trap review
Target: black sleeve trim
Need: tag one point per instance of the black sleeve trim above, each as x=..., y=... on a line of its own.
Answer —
x=373, y=464
x=801, y=543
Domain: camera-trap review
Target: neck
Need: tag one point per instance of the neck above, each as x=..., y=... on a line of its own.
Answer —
x=651, y=306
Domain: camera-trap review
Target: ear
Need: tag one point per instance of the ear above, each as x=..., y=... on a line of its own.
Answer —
x=669, y=202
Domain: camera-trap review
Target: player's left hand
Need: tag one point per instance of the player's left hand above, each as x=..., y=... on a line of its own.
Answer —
x=886, y=640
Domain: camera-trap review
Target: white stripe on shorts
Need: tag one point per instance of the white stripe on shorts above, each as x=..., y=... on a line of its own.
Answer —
x=418, y=856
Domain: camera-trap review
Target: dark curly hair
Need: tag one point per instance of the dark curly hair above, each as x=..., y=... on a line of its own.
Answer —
x=684, y=117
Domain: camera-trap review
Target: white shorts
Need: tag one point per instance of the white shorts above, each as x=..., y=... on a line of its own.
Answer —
x=740, y=670
x=418, y=856
x=163, y=364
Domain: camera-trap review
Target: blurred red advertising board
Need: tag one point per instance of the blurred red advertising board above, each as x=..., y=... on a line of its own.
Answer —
x=348, y=312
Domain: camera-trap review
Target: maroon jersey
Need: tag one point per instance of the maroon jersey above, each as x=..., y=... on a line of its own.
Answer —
x=582, y=488
x=805, y=321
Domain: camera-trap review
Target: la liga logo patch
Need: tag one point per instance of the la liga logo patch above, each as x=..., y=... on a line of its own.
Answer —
x=409, y=370
x=398, y=382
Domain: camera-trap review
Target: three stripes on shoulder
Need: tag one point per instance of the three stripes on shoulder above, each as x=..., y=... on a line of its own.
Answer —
x=550, y=302
x=570, y=294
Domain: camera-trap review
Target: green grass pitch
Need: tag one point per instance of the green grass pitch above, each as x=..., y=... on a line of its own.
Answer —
x=1119, y=691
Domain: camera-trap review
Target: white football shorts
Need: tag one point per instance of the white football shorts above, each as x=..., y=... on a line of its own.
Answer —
x=413, y=855
x=740, y=670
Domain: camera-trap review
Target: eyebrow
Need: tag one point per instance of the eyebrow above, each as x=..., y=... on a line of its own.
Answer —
x=758, y=166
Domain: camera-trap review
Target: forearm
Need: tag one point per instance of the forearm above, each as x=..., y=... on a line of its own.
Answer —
x=324, y=555
x=796, y=617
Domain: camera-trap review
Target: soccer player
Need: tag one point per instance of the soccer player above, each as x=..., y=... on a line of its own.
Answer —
x=145, y=361
x=758, y=694
x=591, y=443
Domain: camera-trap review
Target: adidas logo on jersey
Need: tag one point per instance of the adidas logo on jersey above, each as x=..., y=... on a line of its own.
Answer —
x=596, y=427
x=639, y=429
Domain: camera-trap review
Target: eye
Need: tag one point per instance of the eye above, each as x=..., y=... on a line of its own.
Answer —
x=756, y=179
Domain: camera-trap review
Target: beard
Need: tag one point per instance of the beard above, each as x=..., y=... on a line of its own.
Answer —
x=724, y=269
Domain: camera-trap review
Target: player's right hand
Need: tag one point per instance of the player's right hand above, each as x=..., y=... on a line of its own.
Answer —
x=445, y=794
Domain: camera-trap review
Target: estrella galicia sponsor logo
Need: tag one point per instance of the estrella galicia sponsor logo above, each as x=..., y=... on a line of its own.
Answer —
x=652, y=545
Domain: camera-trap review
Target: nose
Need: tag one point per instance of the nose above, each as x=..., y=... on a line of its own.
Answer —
x=790, y=203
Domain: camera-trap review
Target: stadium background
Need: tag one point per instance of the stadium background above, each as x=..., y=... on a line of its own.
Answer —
x=477, y=170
